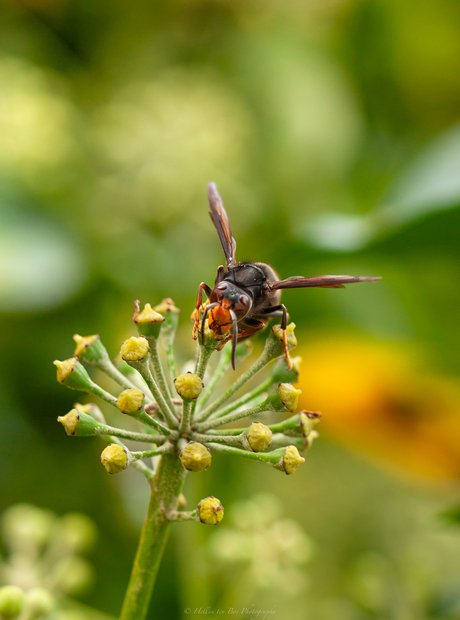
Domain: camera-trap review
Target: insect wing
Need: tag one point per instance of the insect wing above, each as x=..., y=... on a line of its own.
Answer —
x=221, y=222
x=318, y=281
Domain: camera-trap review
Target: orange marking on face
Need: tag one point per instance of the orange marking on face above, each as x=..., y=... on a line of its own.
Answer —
x=220, y=319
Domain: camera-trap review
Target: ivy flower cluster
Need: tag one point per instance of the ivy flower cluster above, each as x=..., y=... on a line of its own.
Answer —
x=193, y=426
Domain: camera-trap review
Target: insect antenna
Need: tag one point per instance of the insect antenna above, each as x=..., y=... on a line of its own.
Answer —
x=234, y=336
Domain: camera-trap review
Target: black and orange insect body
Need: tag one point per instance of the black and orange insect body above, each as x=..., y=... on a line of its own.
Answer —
x=247, y=295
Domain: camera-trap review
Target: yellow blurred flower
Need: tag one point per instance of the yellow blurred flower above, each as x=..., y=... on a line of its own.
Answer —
x=374, y=399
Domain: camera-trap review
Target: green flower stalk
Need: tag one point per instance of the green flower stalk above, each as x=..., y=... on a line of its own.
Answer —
x=183, y=433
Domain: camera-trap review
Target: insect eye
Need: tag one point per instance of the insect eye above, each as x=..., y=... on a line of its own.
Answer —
x=243, y=303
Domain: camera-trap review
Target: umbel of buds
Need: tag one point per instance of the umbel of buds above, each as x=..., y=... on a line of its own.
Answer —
x=179, y=421
x=189, y=428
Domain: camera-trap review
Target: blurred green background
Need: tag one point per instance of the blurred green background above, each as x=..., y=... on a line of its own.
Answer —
x=332, y=129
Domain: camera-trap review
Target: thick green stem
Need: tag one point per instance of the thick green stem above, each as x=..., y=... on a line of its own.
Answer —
x=165, y=489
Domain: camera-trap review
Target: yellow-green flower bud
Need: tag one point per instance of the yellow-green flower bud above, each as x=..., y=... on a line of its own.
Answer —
x=92, y=410
x=195, y=456
x=130, y=401
x=73, y=375
x=72, y=575
x=280, y=372
x=290, y=335
x=90, y=349
x=259, y=436
x=27, y=528
x=134, y=349
x=76, y=532
x=167, y=305
x=40, y=602
x=285, y=398
x=289, y=396
x=78, y=423
x=210, y=511
x=308, y=419
x=11, y=602
x=148, y=322
x=291, y=459
x=188, y=386
x=114, y=458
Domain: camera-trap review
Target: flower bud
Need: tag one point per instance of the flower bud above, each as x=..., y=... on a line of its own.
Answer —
x=289, y=396
x=290, y=335
x=134, y=349
x=210, y=511
x=171, y=315
x=92, y=410
x=27, y=529
x=130, y=401
x=90, y=349
x=40, y=602
x=114, y=458
x=73, y=375
x=259, y=436
x=195, y=456
x=11, y=602
x=76, y=532
x=308, y=419
x=148, y=322
x=188, y=386
x=280, y=372
x=291, y=459
x=72, y=575
x=78, y=423
x=285, y=398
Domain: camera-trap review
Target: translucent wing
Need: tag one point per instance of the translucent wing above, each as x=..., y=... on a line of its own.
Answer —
x=322, y=281
x=220, y=220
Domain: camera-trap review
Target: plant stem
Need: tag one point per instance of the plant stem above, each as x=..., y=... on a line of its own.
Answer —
x=263, y=360
x=143, y=368
x=165, y=489
x=112, y=371
x=229, y=440
x=121, y=432
x=263, y=387
x=157, y=368
x=222, y=367
x=232, y=417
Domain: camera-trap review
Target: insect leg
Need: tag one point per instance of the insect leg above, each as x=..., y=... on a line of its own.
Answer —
x=199, y=299
x=278, y=311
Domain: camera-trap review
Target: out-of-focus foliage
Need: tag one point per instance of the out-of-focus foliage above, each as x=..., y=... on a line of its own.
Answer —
x=332, y=131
